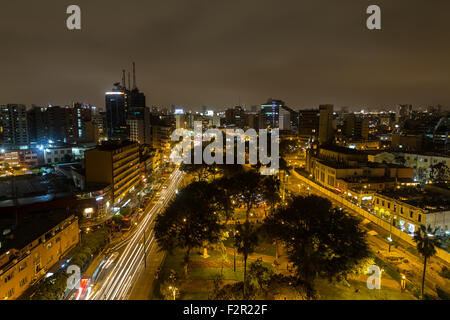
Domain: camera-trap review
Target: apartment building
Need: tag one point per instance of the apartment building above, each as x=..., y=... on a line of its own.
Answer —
x=408, y=208
x=422, y=163
x=27, y=253
x=115, y=163
x=13, y=125
x=58, y=154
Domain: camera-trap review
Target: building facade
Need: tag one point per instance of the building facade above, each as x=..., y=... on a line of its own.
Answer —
x=24, y=263
x=14, y=125
x=115, y=163
x=116, y=102
x=409, y=210
x=326, y=131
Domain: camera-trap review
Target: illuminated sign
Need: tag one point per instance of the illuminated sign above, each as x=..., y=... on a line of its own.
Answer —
x=113, y=93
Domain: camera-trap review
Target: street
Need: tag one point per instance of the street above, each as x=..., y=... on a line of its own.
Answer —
x=117, y=273
x=410, y=263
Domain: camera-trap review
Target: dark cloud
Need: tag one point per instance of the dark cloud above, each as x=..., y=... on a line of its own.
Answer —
x=210, y=52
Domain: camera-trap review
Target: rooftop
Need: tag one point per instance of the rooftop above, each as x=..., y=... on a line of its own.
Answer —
x=358, y=165
x=427, y=200
x=34, y=188
x=31, y=228
x=424, y=153
x=344, y=150
x=376, y=180
x=113, y=145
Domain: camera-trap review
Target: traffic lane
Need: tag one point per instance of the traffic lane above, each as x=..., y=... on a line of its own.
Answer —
x=122, y=276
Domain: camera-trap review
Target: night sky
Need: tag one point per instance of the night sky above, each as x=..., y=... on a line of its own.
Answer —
x=217, y=53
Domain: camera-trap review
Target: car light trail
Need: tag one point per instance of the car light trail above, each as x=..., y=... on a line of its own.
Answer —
x=128, y=263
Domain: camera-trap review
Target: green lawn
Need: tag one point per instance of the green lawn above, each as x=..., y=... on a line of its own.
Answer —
x=206, y=269
x=198, y=295
x=265, y=245
x=339, y=291
x=203, y=271
x=239, y=214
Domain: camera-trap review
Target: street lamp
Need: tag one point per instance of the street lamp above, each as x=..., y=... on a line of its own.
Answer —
x=390, y=232
x=390, y=242
x=403, y=283
x=174, y=291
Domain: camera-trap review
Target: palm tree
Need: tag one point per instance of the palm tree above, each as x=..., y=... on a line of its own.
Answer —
x=284, y=171
x=271, y=192
x=250, y=188
x=245, y=241
x=426, y=245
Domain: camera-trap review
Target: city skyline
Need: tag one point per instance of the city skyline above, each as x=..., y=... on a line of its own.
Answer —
x=246, y=151
x=221, y=54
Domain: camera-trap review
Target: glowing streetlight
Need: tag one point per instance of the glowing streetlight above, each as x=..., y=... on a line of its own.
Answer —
x=403, y=283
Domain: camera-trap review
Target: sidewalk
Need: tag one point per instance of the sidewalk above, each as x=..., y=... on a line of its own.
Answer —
x=144, y=286
x=94, y=264
x=410, y=263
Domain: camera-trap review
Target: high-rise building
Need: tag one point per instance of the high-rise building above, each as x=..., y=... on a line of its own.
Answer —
x=405, y=111
x=235, y=117
x=190, y=119
x=274, y=111
x=355, y=127
x=55, y=124
x=285, y=120
x=161, y=137
x=308, y=127
x=270, y=113
x=78, y=127
x=138, y=121
x=37, y=131
x=326, y=132
x=117, y=107
x=133, y=129
x=115, y=163
x=180, y=122
x=13, y=125
x=127, y=114
x=216, y=120
x=47, y=124
x=61, y=124
x=253, y=120
x=137, y=99
x=100, y=126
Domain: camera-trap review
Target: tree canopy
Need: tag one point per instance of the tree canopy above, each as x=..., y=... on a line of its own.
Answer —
x=320, y=240
x=189, y=221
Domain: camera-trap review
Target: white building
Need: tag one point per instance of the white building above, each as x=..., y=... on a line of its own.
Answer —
x=421, y=163
x=284, y=120
x=57, y=154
